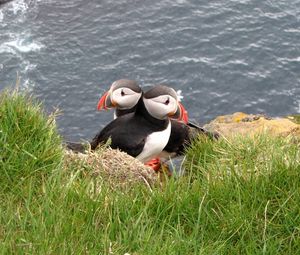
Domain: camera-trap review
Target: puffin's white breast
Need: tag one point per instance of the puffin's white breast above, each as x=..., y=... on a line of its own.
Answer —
x=154, y=144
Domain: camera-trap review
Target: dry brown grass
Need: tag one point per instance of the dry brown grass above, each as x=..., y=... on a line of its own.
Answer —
x=112, y=166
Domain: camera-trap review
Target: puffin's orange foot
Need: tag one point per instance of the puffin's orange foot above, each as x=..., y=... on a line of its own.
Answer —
x=155, y=164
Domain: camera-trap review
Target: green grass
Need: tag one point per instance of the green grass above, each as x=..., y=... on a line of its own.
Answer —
x=29, y=143
x=237, y=197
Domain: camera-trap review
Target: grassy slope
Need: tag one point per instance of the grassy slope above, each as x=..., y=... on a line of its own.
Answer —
x=239, y=197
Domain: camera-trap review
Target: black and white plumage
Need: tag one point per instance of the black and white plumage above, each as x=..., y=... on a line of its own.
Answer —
x=124, y=95
x=144, y=133
x=181, y=133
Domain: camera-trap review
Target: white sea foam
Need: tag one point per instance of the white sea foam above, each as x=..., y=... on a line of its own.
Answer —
x=6, y=49
x=19, y=42
x=19, y=6
x=29, y=67
x=292, y=30
x=287, y=60
x=181, y=1
x=28, y=85
x=237, y=62
x=22, y=45
x=183, y=60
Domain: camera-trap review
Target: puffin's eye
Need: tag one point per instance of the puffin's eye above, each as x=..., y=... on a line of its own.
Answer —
x=167, y=101
x=122, y=93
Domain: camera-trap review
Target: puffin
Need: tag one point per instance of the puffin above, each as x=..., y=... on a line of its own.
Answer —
x=123, y=95
x=182, y=131
x=145, y=132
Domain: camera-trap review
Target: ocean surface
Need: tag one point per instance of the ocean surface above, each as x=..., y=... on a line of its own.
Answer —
x=225, y=56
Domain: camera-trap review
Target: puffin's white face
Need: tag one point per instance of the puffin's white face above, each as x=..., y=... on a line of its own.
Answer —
x=162, y=106
x=125, y=98
x=123, y=94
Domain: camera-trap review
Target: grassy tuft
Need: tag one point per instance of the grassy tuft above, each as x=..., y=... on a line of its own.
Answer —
x=252, y=199
x=30, y=146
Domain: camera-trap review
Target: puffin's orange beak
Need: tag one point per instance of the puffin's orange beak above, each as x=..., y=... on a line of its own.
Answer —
x=184, y=114
x=105, y=102
x=180, y=114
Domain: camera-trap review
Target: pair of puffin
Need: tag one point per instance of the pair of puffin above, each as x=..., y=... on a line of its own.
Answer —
x=142, y=125
x=146, y=124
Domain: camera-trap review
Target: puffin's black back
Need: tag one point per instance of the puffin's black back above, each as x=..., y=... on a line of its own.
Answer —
x=129, y=132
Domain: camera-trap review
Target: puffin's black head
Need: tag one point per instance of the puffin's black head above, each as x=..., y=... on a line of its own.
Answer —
x=161, y=102
x=123, y=94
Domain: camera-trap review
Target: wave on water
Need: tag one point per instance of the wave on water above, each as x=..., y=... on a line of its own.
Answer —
x=22, y=45
x=18, y=41
x=16, y=7
x=19, y=6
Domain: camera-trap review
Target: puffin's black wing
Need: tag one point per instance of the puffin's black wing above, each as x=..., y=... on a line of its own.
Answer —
x=178, y=139
x=183, y=134
x=125, y=133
